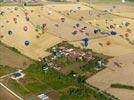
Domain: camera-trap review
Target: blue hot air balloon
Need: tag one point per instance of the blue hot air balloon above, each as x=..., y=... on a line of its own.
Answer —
x=113, y=33
x=85, y=42
x=27, y=43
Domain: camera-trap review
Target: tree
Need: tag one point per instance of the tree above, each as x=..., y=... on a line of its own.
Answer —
x=81, y=79
x=74, y=91
x=130, y=0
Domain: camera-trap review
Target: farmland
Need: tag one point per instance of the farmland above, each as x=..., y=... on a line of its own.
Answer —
x=37, y=81
x=26, y=34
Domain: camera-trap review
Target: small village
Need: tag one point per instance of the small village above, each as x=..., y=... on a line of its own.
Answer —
x=76, y=59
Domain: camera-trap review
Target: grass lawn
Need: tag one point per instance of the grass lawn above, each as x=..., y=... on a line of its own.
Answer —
x=13, y=85
x=6, y=70
x=90, y=67
x=69, y=64
x=73, y=67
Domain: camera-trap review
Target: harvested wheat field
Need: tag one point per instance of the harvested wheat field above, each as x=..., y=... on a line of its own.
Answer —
x=25, y=31
x=13, y=59
x=5, y=95
x=120, y=47
x=113, y=74
x=19, y=36
x=34, y=29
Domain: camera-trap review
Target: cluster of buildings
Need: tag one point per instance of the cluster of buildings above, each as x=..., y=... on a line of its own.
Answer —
x=77, y=54
x=17, y=75
x=73, y=53
x=43, y=97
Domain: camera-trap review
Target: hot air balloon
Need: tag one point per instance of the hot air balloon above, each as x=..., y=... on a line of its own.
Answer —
x=62, y=19
x=25, y=28
x=15, y=19
x=2, y=13
x=16, y=8
x=10, y=32
x=77, y=25
x=97, y=30
x=26, y=13
x=113, y=33
x=85, y=42
x=126, y=34
x=26, y=43
x=108, y=43
x=27, y=18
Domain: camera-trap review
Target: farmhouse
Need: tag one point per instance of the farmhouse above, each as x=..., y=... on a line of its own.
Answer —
x=77, y=54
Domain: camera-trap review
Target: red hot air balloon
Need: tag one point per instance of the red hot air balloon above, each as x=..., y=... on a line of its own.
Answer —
x=108, y=42
x=26, y=13
x=126, y=35
x=14, y=19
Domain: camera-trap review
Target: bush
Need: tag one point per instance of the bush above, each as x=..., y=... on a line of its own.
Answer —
x=122, y=86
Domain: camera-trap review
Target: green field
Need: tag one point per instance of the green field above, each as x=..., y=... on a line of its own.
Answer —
x=69, y=64
x=6, y=70
x=37, y=81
